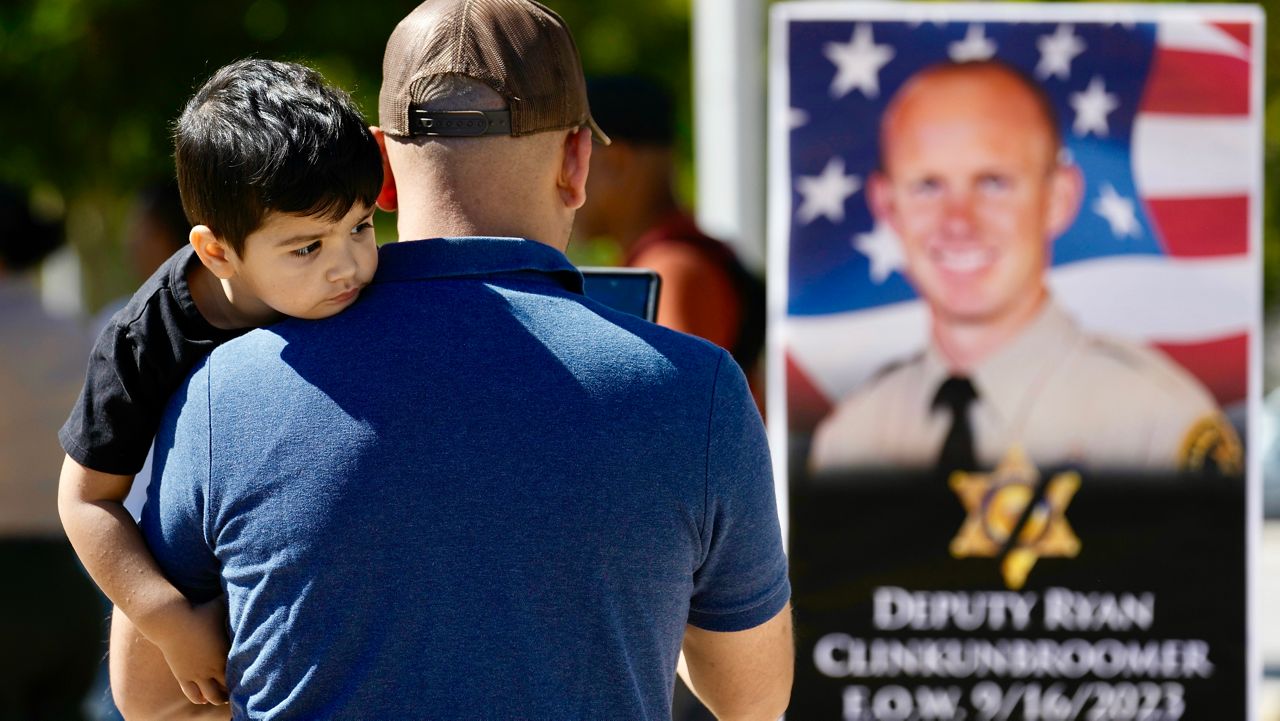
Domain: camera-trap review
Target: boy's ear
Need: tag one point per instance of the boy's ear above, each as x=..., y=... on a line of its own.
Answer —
x=387, y=199
x=215, y=254
x=571, y=181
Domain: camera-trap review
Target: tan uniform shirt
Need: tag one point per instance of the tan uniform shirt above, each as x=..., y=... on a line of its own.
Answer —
x=42, y=366
x=1063, y=395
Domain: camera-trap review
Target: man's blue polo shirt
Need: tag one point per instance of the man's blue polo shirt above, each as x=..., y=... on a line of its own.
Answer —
x=476, y=494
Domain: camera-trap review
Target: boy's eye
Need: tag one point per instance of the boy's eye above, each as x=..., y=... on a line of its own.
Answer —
x=362, y=228
x=307, y=250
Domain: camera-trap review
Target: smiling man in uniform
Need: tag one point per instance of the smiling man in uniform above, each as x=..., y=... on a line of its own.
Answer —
x=974, y=182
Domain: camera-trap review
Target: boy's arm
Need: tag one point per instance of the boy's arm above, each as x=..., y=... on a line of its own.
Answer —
x=141, y=683
x=114, y=553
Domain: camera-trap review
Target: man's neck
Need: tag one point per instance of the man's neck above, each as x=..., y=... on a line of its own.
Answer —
x=445, y=219
x=462, y=229
x=965, y=346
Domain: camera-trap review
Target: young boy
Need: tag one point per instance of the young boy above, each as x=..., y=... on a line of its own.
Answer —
x=279, y=175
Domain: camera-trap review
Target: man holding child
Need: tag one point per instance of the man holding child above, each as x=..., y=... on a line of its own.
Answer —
x=474, y=493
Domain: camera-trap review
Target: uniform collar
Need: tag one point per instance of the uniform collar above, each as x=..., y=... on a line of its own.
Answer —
x=1006, y=378
x=474, y=257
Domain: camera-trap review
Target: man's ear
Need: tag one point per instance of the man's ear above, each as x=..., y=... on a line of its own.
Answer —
x=387, y=198
x=571, y=181
x=215, y=254
x=880, y=200
x=1066, y=192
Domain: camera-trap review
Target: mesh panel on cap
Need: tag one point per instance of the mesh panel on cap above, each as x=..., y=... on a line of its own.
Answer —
x=519, y=48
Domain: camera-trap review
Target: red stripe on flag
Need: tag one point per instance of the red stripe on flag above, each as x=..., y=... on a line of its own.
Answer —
x=1222, y=365
x=1200, y=227
x=1194, y=83
x=806, y=405
x=1239, y=31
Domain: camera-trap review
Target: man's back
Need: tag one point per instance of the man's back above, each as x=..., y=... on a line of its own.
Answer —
x=474, y=494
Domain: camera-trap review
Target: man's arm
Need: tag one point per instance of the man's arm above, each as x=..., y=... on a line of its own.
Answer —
x=742, y=675
x=141, y=683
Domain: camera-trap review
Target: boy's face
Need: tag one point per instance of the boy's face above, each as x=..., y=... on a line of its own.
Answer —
x=307, y=267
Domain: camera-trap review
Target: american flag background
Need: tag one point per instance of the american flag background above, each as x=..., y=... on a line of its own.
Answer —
x=1160, y=108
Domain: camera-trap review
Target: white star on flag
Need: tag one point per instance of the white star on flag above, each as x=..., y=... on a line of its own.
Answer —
x=824, y=195
x=858, y=63
x=883, y=249
x=1092, y=107
x=1057, y=51
x=1118, y=211
x=975, y=46
x=797, y=118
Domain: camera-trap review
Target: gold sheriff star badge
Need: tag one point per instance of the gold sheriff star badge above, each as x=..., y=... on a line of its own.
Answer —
x=1009, y=500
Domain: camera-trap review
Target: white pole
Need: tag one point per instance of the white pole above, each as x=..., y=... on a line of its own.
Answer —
x=728, y=106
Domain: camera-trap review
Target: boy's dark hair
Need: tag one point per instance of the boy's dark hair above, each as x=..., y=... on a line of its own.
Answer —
x=262, y=135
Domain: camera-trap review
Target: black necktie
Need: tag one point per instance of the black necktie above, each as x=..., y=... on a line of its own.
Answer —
x=956, y=395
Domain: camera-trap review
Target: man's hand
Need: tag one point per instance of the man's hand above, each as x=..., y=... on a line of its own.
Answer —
x=195, y=646
x=742, y=675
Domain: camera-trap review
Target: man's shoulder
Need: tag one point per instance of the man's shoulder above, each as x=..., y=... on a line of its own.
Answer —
x=1158, y=399
x=884, y=388
x=845, y=435
x=610, y=335
x=252, y=353
x=1141, y=374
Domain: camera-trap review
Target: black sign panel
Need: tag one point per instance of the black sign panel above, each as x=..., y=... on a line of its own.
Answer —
x=1146, y=621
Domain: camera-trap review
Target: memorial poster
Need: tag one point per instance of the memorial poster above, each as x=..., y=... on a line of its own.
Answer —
x=1015, y=313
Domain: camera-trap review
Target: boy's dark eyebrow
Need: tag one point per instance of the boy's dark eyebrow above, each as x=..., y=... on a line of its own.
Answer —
x=308, y=237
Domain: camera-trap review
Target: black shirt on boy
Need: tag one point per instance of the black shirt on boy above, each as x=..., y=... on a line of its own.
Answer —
x=139, y=360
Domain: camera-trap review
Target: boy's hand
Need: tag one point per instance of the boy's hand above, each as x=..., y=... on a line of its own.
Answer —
x=196, y=651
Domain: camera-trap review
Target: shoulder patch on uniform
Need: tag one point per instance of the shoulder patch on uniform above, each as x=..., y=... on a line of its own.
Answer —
x=1211, y=444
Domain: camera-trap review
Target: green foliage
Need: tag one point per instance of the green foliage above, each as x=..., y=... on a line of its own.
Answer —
x=91, y=87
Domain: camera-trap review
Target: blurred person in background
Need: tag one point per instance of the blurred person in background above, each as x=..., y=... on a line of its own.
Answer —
x=706, y=291
x=50, y=615
x=157, y=227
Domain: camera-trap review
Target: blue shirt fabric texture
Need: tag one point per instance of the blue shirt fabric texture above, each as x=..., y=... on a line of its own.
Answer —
x=475, y=494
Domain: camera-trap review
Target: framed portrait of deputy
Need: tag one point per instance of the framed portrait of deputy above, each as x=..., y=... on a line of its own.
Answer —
x=1015, y=312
